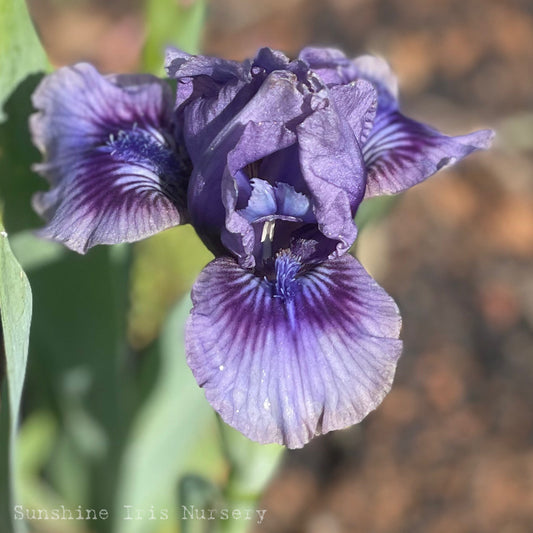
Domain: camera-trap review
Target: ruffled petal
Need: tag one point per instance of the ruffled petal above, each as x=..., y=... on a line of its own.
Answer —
x=206, y=95
x=401, y=152
x=287, y=360
x=334, y=68
x=202, y=76
x=333, y=170
x=279, y=201
x=292, y=204
x=262, y=201
x=269, y=60
x=110, y=156
x=184, y=67
x=254, y=132
x=258, y=140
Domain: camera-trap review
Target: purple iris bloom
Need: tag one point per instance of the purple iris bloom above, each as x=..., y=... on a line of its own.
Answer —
x=116, y=170
x=288, y=335
x=269, y=159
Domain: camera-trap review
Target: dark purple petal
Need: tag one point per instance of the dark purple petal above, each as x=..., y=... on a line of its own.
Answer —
x=335, y=69
x=110, y=156
x=181, y=65
x=356, y=102
x=254, y=132
x=258, y=140
x=269, y=60
x=210, y=92
x=287, y=360
x=333, y=170
x=202, y=76
x=401, y=152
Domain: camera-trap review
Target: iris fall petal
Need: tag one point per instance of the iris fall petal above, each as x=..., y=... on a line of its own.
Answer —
x=305, y=354
x=115, y=170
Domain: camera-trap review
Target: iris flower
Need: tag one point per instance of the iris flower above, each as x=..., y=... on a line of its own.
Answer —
x=269, y=159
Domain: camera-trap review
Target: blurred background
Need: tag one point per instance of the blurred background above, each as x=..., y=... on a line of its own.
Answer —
x=451, y=447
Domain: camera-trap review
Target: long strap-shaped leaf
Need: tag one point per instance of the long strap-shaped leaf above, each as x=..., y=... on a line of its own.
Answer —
x=15, y=311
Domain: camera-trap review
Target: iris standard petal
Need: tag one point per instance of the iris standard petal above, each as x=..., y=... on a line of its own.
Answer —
x=333, y=170
x=257, y=140
x=305, y=354
x=207, y=93
x=401, y=152
x=254, y=132
x=185, y=67
x=356, y=102
x=116, y=172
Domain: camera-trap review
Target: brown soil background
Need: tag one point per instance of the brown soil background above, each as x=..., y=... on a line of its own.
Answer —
x=451, y=448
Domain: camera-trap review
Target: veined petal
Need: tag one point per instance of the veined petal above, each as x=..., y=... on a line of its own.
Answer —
x=183, y=66
x=207, y=94
x=108, y=201
x=257, y=140
x=287, y=360
x=116, y=172
x=335, y=69
x=401, y=152
x=262, y=201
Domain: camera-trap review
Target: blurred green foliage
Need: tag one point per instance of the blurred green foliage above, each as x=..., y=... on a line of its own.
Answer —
x=165, y=265
x=164, y=269
x=173, y=434
x=22, y=55
x=176, y=23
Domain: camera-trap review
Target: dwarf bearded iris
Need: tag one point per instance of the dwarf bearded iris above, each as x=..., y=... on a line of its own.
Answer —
x=269, y=159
